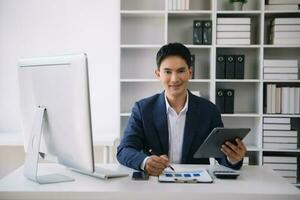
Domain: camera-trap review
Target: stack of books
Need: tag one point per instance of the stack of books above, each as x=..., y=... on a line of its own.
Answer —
x=179, y=4
x=285, y=31
x=277, y=134
x=282, y=4
x=282, y=100
x=233, y=31
x=285, y=166
x=280, y=69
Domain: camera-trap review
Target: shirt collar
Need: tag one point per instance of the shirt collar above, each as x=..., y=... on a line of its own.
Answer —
x=185, y=107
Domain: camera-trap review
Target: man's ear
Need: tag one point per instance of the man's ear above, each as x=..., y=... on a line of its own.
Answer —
x=157, y=73
x=191, y=72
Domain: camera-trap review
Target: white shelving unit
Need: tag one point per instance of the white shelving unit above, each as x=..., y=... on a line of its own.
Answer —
x=147, y=25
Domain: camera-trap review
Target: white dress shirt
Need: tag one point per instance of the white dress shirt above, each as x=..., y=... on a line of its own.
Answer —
x=176, y=124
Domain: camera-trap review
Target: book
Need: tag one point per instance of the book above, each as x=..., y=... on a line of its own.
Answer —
x=286, y=173
x=233, y=20
x=276, y=70
x=282, y=166
x=278, y=101
x=283, y=2
x=229, y=101
x=234, y=34
x=280, y=159
x=292, y=180
x=289, y=28
x=233, y=28
x=292, y=100
x=280, y=63
x=277, y=120
x=233, y=41
x=282, y=76
x=280, y=145
x=229, y=67
x=279, y=133
x=207, y=32
x=285, y=41
x=297, y=100
x=280, y=139
x=197, y=32
x=285, y=94
x=187, y=4
x=220, y=67
x=239, y=66
x=282, y=7
x=269, y=98
x=220, y=100
x=294, y=20
x=276, y=126
x=276, y=35
x=273, y=105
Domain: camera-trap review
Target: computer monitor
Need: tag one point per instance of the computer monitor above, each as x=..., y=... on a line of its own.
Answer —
x=55, y=112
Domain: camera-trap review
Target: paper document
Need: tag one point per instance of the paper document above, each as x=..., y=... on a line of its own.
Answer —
x=198, y=176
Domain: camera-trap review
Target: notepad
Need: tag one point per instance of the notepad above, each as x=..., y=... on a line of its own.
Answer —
x=199, y=176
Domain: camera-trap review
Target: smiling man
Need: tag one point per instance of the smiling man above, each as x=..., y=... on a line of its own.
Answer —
x=174, y=123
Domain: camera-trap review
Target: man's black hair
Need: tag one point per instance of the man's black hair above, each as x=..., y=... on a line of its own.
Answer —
x=173, y=49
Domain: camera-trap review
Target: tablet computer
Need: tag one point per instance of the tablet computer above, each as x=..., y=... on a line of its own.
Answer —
x=210, y=148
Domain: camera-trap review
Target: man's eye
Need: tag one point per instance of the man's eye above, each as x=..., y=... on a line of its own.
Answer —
x=167, y=72
x=182, y=71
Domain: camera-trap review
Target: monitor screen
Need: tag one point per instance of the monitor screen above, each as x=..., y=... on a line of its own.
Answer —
x=60, y=84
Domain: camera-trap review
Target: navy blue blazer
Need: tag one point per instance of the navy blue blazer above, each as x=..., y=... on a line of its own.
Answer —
x=147, y=128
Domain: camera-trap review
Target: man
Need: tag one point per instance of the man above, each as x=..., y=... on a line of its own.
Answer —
x=173, y=124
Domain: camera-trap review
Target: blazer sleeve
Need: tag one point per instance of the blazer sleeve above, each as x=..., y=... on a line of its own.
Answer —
x=129, y=152
x=217, y=122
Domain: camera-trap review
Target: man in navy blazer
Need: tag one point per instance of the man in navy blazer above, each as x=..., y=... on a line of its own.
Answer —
x=173, y=124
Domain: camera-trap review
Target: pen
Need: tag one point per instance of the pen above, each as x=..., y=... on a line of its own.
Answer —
x=152, y=153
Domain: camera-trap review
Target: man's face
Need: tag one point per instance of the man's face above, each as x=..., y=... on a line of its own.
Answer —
x=174, y=75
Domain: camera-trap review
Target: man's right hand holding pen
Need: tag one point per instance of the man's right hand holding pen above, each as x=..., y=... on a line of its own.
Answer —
x=155, y=165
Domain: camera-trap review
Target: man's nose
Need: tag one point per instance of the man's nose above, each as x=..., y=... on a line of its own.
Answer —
x=174, y=77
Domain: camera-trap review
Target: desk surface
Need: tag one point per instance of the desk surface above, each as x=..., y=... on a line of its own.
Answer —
x=254, y=183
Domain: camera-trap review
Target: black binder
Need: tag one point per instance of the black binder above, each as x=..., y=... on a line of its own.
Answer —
x=229, y=101
x=229, y=67
x=220, y=67
x=239, y=66
x=207, y=31
x=220, y=100
x=193, y=65
x=197, y=32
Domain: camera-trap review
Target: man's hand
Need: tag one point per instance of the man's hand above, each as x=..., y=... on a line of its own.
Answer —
x=155, y=165
x=235, y=153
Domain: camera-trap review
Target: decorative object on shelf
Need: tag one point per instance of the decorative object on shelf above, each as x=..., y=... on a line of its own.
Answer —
x=238, y=4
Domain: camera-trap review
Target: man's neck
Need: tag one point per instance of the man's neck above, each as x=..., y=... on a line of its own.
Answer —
x=177, y=102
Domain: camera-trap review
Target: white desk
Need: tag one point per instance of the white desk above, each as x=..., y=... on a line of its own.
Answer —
x=253, y=183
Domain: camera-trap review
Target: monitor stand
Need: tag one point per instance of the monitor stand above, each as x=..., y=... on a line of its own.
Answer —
x=32, y=154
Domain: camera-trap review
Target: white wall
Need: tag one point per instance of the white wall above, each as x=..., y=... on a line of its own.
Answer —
x=30, y=28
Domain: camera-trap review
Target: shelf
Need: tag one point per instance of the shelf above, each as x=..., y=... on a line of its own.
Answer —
x=282, y=81
x=189, y=12
x=281, y=12
x=192, y=46
x=281, y=46
x=242, y=12
x=145, y=13
x=241, y=115
x=146, y=46
x=281, y=115
x=138, y=80
x=238, y=46
x=238, y=80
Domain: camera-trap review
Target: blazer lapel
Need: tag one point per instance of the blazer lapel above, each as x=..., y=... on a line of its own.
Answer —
x=189, y=129
x=161, y=123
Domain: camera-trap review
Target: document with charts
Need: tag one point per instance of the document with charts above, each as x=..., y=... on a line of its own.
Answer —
x=197, y=176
